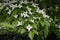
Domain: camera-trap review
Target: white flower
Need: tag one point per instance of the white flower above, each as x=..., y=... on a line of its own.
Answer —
x=40, y=11
x=24, y=14
x=37, y=9
x=25, y=19
x=29, y=9
x=59, y=26
x=5, y=28
x=29, y=27
x=9, y=12
x=19, y=5
x=56, y=6
x=25, y=2
x=32, y=20
x=56, y=25
x=6, y=8
x=30, y=12
x=34, y=5
x=39, y=18
x=34, y=17
x=13, y=6
x=15, y=16
x=19, y=23
x=13, y=1
x=49, y=20
x=21, y=2
x=46, y=16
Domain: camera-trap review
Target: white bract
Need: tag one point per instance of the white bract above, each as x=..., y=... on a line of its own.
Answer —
x=24, y=14
x=15, y=16
x=34, y=17
x=39, y=18
x=19, y=5
x=21, y=2
x=29, y=9
x=40, y=11
x=56, y=6
x=25, y=19
x=59, y=26
x=5, y=28
x=29, y=27
x=34, y=5
x=25, y=1
x=30, y=12
x=19, y=23
x=9, y=12
x=49, y=20
x=46, y=16
x=32, y=20
x=13, y=1
x=6, y=8
x=56, y=25
x=13, y=6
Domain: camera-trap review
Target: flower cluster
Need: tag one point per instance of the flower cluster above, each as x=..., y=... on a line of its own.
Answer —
x=27, y=16
x=29, y=12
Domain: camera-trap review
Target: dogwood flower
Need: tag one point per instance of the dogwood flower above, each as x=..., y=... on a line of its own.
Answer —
x=13, y=6
x=15, y=16
x=59, y=26
x=30, y=12
x=42, y=11
x=13, y=1
x=29, y=9
x=24, y=14
x=29, y=27
x=19, y=5
x=39, y=18
x=21, y=2
x=34, y=17
x=19, y=23
x=46, y=16
x=6, y=8
x=25, y=2
x=34, y=5
x=32, y=20
x=9, y=12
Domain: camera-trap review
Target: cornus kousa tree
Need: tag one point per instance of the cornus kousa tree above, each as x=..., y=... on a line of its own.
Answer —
x=24, y=17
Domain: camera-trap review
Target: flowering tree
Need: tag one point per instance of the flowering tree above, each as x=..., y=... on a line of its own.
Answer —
x=27, y=18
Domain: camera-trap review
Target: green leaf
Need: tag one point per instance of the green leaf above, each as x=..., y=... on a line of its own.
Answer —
x=46, y=31
x=42, y=23
x=21, y=30
x=47, y=23
x=35, y=32
x=34, y=26
x=5, y=24
x=14, y=23
x=31, y=35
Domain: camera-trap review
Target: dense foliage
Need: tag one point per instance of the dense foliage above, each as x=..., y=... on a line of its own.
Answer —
x=35, y=20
